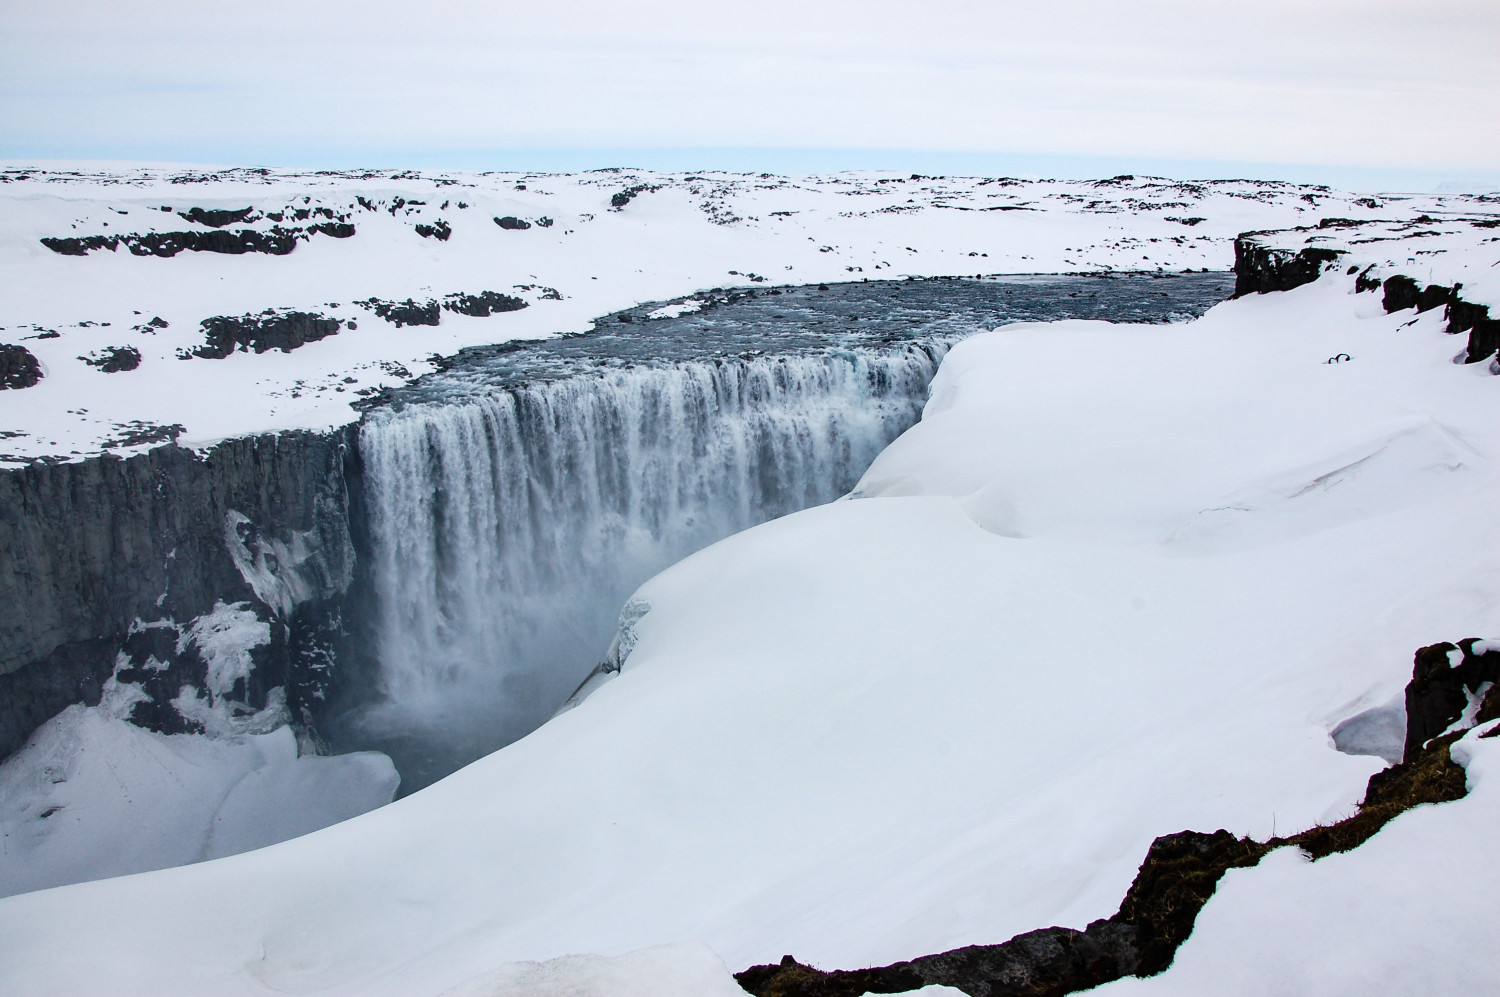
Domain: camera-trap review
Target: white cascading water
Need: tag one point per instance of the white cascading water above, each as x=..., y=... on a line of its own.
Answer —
x=508, y=529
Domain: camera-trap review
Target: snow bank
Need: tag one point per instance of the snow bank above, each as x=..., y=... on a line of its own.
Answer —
x=378, y=256
x=1120, y=581
x=74, y=800
x=1410, y=912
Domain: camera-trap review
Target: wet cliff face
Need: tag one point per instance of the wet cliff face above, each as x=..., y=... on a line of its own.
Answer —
x=90, y=551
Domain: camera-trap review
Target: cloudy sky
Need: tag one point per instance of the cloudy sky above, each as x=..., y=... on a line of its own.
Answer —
x=1337, y=89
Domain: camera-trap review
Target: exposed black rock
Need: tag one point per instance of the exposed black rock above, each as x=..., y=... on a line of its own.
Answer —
x=408, y=312
x=150, y=326
x=71, y=673
x=1179, y=875
x=512, y=223
x=335, y=230
x=439, y=230
x=624, y=197
x=1176, y=879
x=1259, y=268
x=1484, y=332
x=18, y=367
x=137, y=433
x=275, y=241
x=270, y=330
x=80, y=246
x=1442, y=679
x=1401, y=292
x=216, y=217
x=482, y=304
x=1434, y=295
x=113, y=359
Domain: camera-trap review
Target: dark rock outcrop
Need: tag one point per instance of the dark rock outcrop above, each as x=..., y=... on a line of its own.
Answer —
x=1259, y=268
x=270, y=330
x=512, y=224
x=1443, y=679
x=216, y=217
x=624, y=197
x=402, y=313
x=439, y=230
x=18, y=367
x=114, y=359
x=1484, y=332
x=482, y=304
x=1179, y=875
x=91, y=550
x=1401, y=292
x=275, y=241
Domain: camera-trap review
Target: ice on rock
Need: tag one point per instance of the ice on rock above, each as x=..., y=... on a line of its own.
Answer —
x=225, y=638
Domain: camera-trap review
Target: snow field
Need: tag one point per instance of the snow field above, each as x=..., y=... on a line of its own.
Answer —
x=1120, y=582
x=678, y=234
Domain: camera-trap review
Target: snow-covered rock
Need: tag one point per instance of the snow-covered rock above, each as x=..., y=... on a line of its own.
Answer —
x=250, y=300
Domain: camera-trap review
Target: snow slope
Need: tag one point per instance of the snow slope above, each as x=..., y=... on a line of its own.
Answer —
x=592, y=243
x=1411, y=912
x=1119, y=582
x=92, y=795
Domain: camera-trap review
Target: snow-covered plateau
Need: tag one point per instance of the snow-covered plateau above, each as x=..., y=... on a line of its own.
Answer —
x=1126, y=576
x=99, y=262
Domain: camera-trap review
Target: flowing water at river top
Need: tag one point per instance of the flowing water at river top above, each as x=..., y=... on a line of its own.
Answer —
x=517, y=498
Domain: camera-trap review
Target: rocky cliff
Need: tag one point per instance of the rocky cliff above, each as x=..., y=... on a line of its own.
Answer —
x=113, y=555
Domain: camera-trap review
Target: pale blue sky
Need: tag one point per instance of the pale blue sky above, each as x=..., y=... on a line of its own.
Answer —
x=1357, y=93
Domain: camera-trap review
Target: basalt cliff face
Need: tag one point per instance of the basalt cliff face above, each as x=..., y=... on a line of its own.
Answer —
x=104, y=561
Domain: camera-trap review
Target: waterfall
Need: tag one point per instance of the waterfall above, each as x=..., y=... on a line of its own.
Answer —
x=507, y=529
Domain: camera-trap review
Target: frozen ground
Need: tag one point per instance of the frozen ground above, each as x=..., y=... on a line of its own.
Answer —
x=570, y=247
x=1120, y=581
